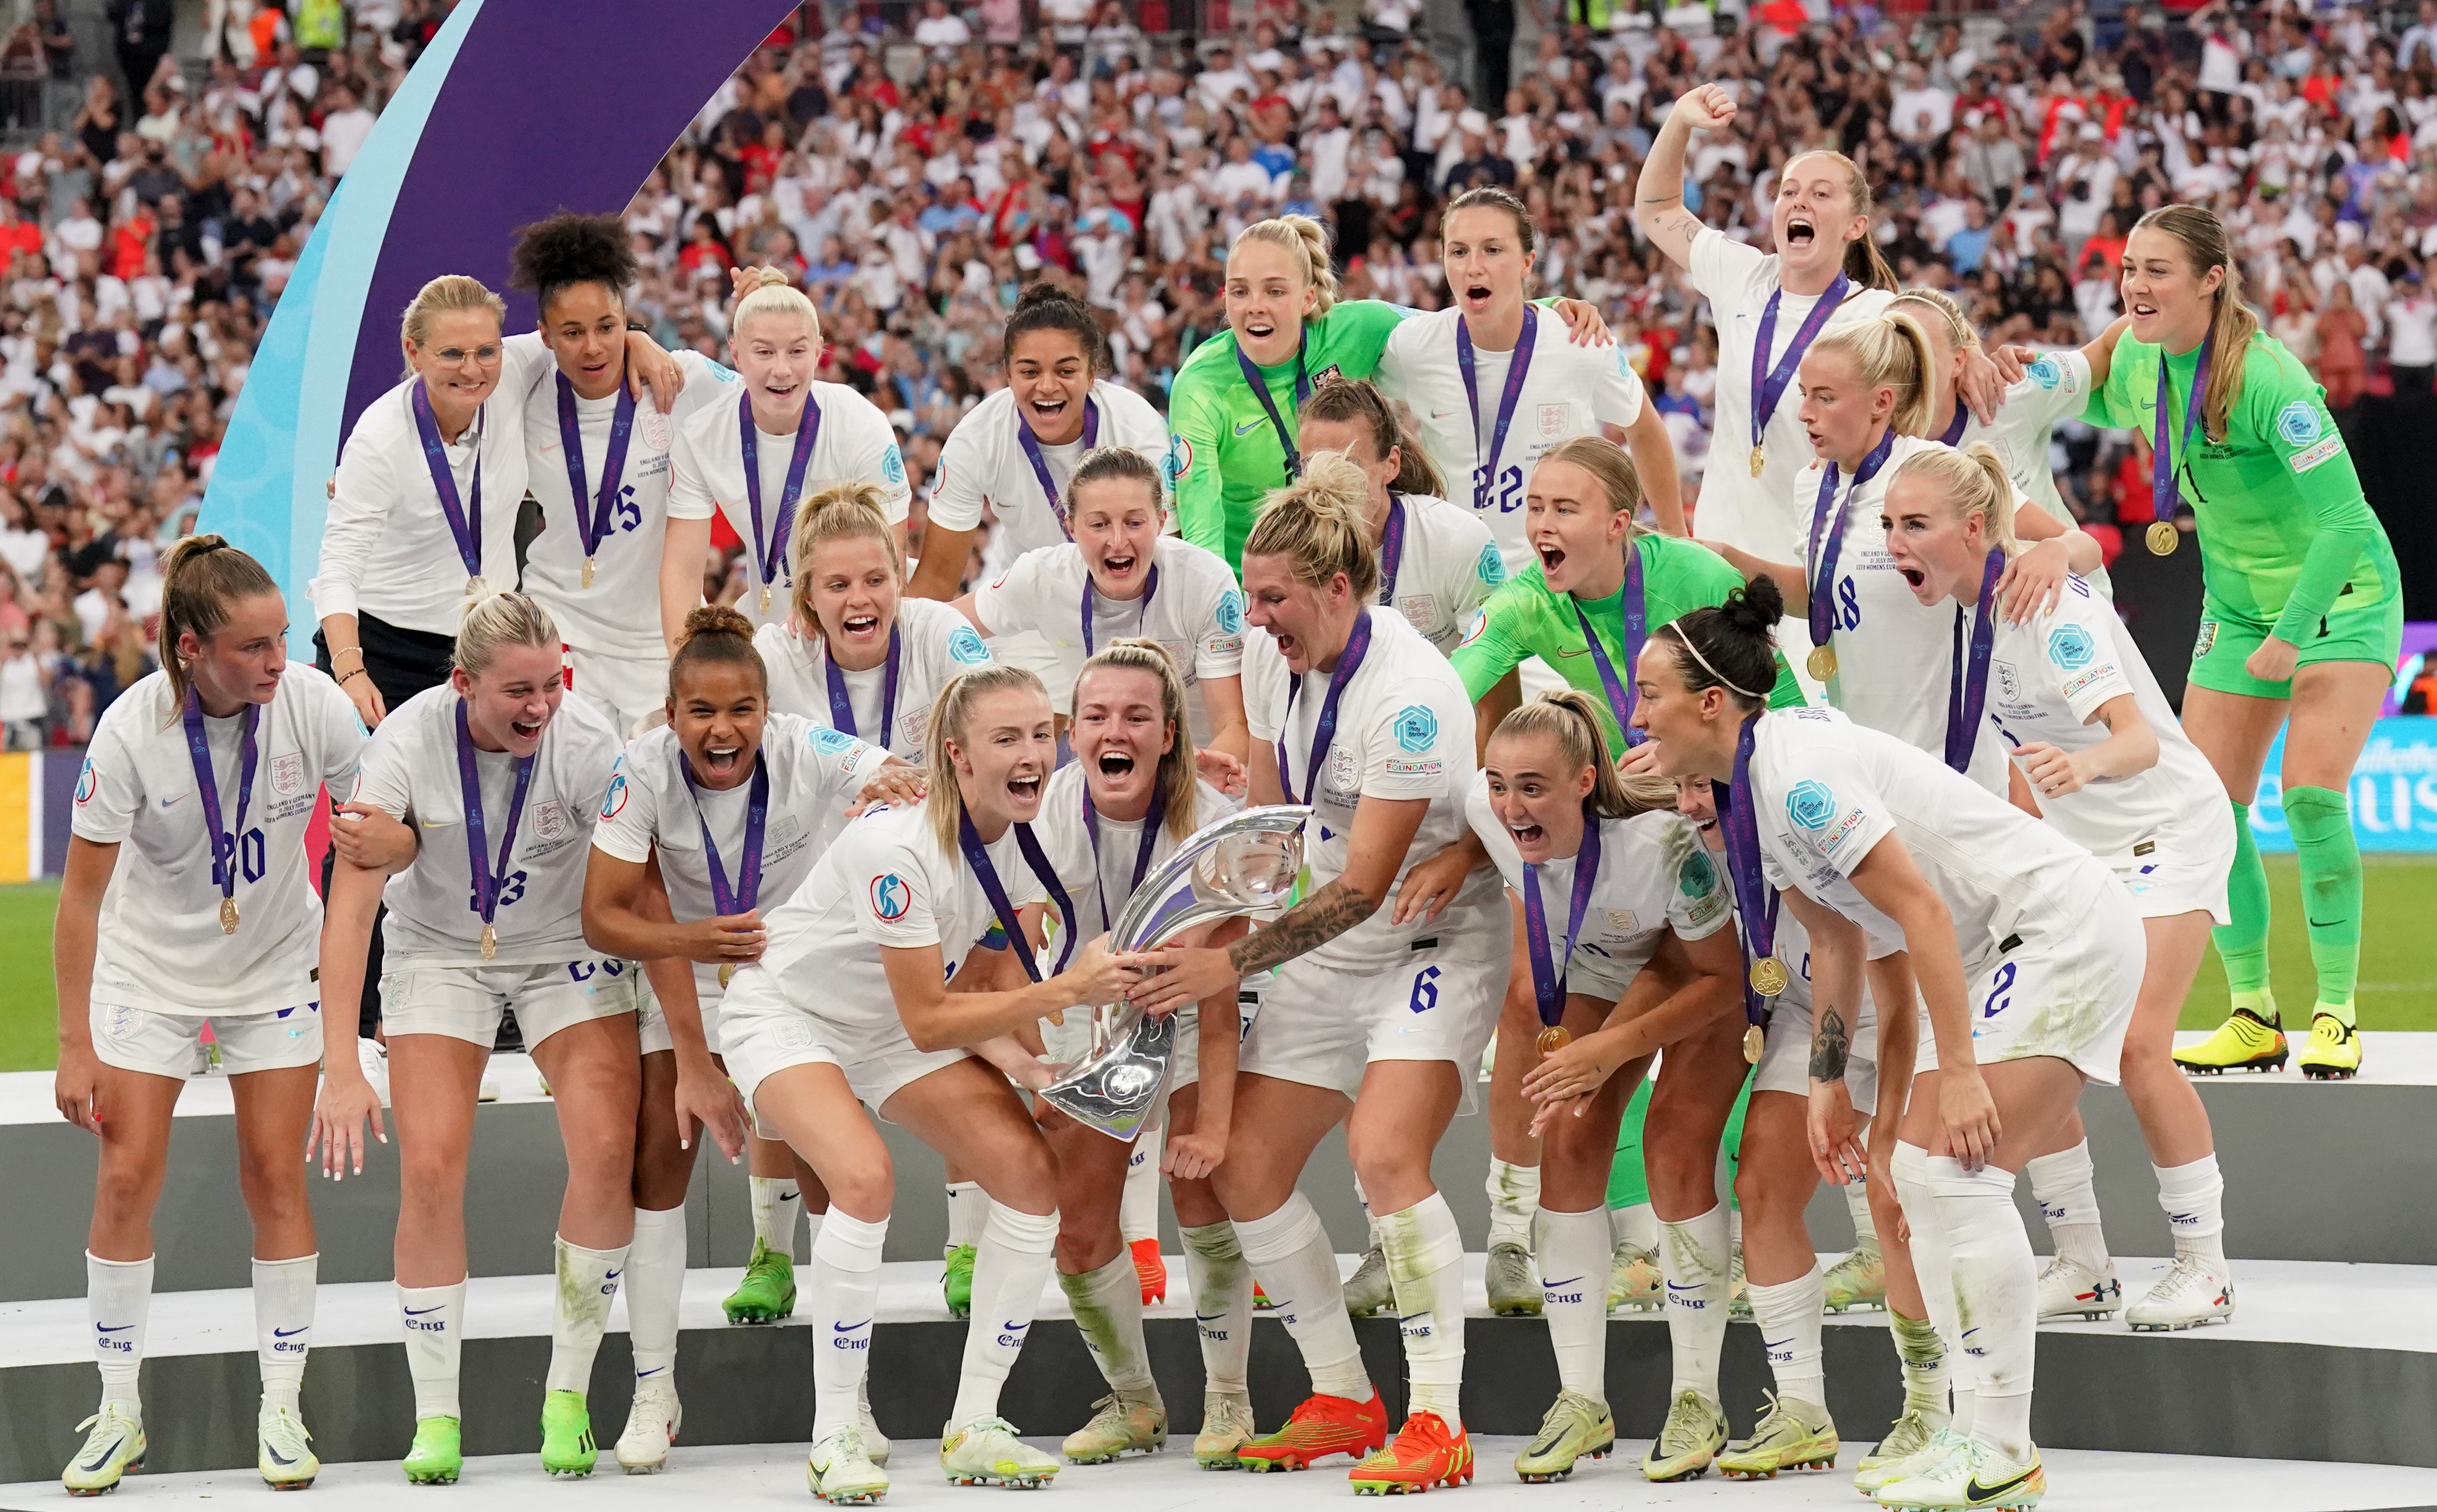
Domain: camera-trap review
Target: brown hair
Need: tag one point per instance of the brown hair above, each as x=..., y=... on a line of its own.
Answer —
x=2232, y=325
x=1320, y=523
x=1890, y=351
x=1178, y=783
x=1864, y=263
x=1355, y=401
x=203, y=577
x=1569, y=718
x=716, y=635
x=949, y=713
x=842, y=511
x=1115, y=464
x=1490, y=197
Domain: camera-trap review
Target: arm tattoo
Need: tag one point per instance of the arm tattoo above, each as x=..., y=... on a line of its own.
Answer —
x=1830, y=1045
x=1656, y=199
x=1306, y=928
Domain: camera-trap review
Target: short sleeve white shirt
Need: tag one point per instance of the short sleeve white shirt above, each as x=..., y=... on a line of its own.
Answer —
x=935, y=647
x=984, y=463
x=1450, y=566
x=1101, y=880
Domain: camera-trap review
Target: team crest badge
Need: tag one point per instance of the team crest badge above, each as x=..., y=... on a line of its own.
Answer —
x=656, y=431
x=1552, y=421
x=2009, y=687
x=549, y=820
x=287, y=774
x=1417, y=608
x=1342, y=775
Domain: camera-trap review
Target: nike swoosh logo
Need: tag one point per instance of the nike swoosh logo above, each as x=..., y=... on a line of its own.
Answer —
x=613, y=1275
x=172, y=799
x=1974, y=1491
x=1245, y=429
x=1673, y=1287
x=106, y=1328
x=1014, y=1326
x=1208, y=1317
x=1441, y=414
x=2325, y=923
x=416, y=1312
x=654, y=1371
x=1573, y=650
x=289, y=1334
x=787, y=1197
x=1775, y=1344
x=849, y=1328
x=276, y=1457
x=1551, y=1285
x=103, y=1458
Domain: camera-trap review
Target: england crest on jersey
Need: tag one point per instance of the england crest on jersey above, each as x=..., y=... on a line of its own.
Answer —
x=1552, y=421
x=287, y=774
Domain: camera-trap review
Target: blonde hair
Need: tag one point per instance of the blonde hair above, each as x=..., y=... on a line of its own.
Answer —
x=1864, y=263
x=1178, y=784
x=842, y=511
x=1960, y=337
x=1891, y=351
x=498, y=620
x=201, y=578
x=443, y=295
x=773, y=295
x=1307, y=238
x=1320, y=523
x=1973, y=482
x=1620, y=481
x=2232, y=325
x=1571, y=720
x=949, y=713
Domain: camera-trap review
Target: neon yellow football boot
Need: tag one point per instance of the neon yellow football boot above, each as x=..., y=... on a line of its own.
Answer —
x=2251, y=1039
x=2334, y=1053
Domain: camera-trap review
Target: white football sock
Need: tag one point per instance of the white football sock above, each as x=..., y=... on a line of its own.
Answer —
x=434, y=1320
x=588, y=1283
x=1514, y=1198
x=655, y=1271
x=1138, y=1209
x=1290, y=1256
x=968, y=1210
x=1370, y=1219
x=1107, y=1304
x=1426, y=1268
x=841, y=1294
x=1010, y=1266
x=2061, y=1182
x=1574, y=1253
x=1694, y=1257
x=1637, y=1225
x=1932, y=1263
x=1222, y=1305
x=283, y=1324
x=1996, y=1285
x=2194, y=1198
x=1857, y=1205
x=1788, y=1315
x=776, y=1204
x=118, y=1299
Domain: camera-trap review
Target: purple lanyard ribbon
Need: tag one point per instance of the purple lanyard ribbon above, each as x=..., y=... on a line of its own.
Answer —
x=1031, y=445
x=842, y=707
x=489, y=880
x=595, y=524
x=2166, y=485
x=1756, y=902
x=1392, y=548
x=463, y=524
x=1967, y=692
x=1828, y=534
x=1141, y=855
x=740, y=898
x=225, y=843
x=1349, y=661
x=1150, y=590
x=1548, y=974
x=1955, y=427
x=1622, y=693
x=978, y=855
x=808, y=431
x=1485, y=468
x=1768, y=385
x=1277, y=422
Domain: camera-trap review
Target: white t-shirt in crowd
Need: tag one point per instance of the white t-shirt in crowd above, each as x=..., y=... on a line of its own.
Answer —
x=984, y=463
x=935, y=646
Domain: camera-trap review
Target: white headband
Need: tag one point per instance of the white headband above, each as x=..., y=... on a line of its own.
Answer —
x=1686, y=641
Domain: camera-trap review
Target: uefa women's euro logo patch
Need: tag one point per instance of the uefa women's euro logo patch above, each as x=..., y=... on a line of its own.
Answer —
x=1811, y=804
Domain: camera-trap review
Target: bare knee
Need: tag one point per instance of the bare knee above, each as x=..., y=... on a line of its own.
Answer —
x=1028, y=1180
x=1679, y=1173
x=866, y=1191
x=273, y=1186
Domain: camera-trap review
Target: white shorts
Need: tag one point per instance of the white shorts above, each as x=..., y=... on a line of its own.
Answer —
x=1785, y=1055
x=157, y=1044
x=1322, y=1024
x=1031, y=650
x=626, y=689
x=464, y=1002
x=2181, y=869
x=2068, y=993
x=760, y=1031
x=650, y=1025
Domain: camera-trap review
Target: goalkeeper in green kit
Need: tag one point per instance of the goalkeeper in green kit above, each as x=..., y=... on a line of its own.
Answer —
x=2302, y=618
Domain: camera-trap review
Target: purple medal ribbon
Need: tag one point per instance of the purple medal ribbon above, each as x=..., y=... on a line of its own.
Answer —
x=1955, y=427
x=595, y=524
x=1828, y=534
x=1547, y=976
x=1358, y=644
x=740, y=898
x=977, y=856
x=1150, y=589
x=199, y=750
x=1967, y=692
x=808, y=431
x=2166, y=486
x=1031, y=445
x=1141, y=855
x=842, y=707
x=1621, y=695
x=487, y=879
x=1484, y=470
x=466, y=525
x=1392, y=548
x=1756, y=902
x=1769, y=384
x=1277, y=422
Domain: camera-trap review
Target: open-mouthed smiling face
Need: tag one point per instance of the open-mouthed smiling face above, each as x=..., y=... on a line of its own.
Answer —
x=1051, y=374
x=1813, y=216
x=776, y=355
x=1119, y=734
x=1537, y=794
x=1004, y=757
x=2167, y=301
x=1566, y=518
x=511, y=703
x=852, y=589
x=717, y=712
x=1116, y=523
x=1300, y=617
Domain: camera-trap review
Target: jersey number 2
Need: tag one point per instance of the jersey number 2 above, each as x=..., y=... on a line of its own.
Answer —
x=1505, y=494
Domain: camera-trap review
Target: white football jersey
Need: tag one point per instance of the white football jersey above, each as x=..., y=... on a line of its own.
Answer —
x=984, y=463
x=1450, y=563
x=410, y=770
x=1403, y=730
x=1100, y=883
x=1569, y=391
x=160, y=946
x=2056, y=387
x=855, y=444
x=935, y=646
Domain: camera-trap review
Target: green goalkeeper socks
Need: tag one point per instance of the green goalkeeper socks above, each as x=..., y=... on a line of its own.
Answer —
x=2242, y=944
x=2331, y=891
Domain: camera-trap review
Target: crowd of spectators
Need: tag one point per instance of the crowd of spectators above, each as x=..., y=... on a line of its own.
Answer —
x=915, y=166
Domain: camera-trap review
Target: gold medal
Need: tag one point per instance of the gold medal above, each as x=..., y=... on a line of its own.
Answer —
x=1768, y=977
x=1822, y=663
x=490, y=942
x=1753, y=1040
x=228, y=916
x=2163, y=537
x=727, y=972
x=1760, y=460
x=588, y=572
x=1554, y=1038
x=765, y=598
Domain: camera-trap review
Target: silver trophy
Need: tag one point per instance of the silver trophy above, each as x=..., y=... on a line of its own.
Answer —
x=1245, y=863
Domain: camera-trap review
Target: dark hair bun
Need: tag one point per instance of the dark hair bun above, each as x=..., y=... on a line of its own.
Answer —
x=1755, y=607
x=572, y=249
x=1042, y=291
x=714, y=618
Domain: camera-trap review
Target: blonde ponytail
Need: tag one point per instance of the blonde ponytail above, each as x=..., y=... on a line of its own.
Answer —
x=1320, y=524
x=1570, y=720
x=1308, y=240
x=2233, y=324
x=950, y=713
x=1972, y=481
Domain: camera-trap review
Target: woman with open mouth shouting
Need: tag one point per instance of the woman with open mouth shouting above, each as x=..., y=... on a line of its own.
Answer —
x=726, y=807
x=2114, y=770
x=753, y=460
x=504, y=778
x=1232, y=411
x=1120, y=576
x=850, y=1001
x=2302, y=614
x=1370, y=1022
x=2029, y=959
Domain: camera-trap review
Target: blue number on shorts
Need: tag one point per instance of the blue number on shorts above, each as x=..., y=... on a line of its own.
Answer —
x=2002, y=983
x=582, y=970
x=1426, y=990
x=1850, y=605
x=510, y=891
x=1806, y=965
x=250, y=863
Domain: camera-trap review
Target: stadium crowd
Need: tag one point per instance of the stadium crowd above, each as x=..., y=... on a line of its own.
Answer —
x=917, y=168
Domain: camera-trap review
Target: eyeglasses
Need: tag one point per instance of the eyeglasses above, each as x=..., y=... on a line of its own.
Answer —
x=487, y=355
